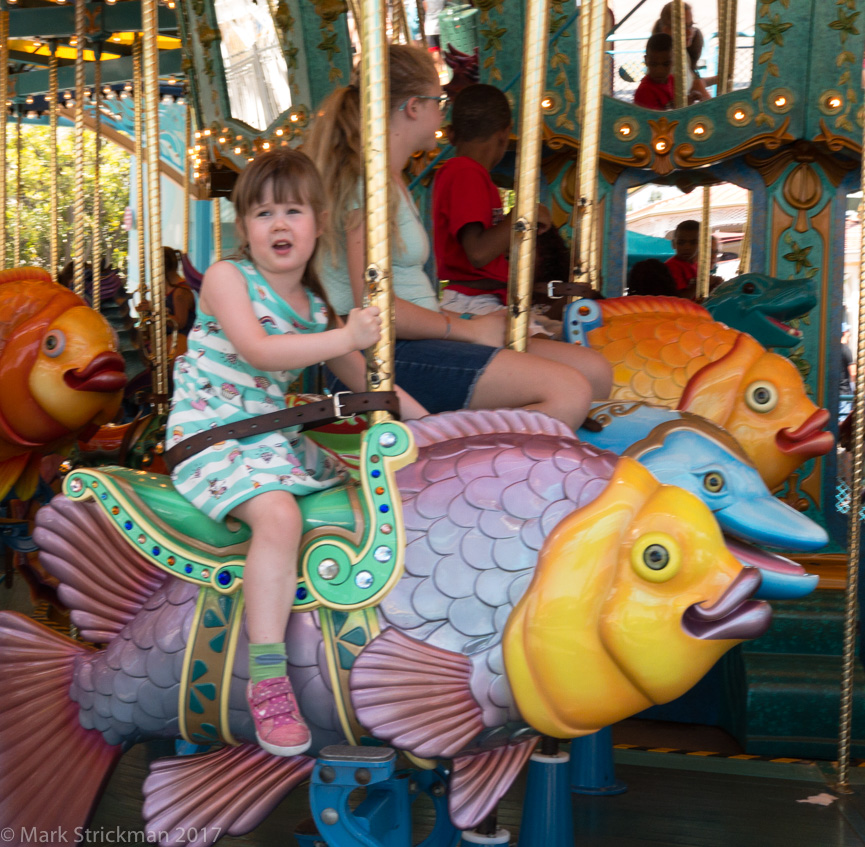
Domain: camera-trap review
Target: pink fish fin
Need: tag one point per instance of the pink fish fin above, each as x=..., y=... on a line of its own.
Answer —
x=450, y=425
x=715, y=389
x=104, y=581
x=616, y=306
x=415, y=696
x=10, y=471
x=227, y=792
x=480, y=780
x=53, y=769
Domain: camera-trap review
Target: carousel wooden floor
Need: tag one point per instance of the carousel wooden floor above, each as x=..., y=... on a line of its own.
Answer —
x=699, y=796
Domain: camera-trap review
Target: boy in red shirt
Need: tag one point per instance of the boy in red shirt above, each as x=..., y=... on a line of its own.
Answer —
x=683, y=266
x=471, y=233
x=656, y=90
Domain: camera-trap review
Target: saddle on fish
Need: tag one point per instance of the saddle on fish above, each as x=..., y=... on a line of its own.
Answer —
x=528, y=555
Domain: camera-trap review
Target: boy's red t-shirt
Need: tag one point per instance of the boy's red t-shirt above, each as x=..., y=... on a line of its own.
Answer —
x=464, y=193
x=683, y=273
x=655, y=95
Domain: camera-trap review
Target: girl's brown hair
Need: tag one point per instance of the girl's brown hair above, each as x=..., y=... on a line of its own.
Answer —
x=292, y=176
x=334, y=142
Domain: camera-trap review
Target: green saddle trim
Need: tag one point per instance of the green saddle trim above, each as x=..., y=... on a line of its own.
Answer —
x=353, y=544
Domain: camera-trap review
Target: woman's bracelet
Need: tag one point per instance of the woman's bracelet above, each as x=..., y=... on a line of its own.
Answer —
x=447, y=326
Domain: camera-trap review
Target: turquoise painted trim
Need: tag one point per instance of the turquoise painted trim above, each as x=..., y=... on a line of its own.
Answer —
x=59, y=21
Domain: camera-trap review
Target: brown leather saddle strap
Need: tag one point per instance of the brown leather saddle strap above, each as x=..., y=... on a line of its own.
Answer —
x=341, y=405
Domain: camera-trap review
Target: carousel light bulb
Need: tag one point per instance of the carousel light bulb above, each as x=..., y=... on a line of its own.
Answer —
x=280, y=131
x=265, y=145
x=67, y=94
x=207, y=132
x=439, y=134
x=661, y=146
x=29, y=100
x=73, y=41
x=237, y=151
x=834, y=102
x=294, y=117
x=221, y=139
x=124, y=95
x=624, y=131
x=171, y=81
x=699, y=129
x=739, y=115
x=780, y=101
x=547, y=103
x=198, y=133
x=195, y=174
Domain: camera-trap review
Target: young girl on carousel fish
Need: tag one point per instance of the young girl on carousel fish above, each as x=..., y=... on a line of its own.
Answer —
x=261, y=320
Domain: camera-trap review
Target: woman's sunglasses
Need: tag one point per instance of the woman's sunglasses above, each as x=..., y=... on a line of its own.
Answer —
x=441, y=98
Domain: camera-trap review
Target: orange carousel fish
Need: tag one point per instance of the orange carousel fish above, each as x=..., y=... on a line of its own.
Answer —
x=60, y=374
x=670, y=352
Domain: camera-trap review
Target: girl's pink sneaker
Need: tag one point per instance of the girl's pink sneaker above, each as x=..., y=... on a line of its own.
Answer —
x=279, y=727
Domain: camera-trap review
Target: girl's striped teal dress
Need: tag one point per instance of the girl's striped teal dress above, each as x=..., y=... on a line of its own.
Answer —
x=214, y=385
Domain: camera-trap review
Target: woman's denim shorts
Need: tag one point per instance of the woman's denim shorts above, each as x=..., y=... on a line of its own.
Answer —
x=440, y=375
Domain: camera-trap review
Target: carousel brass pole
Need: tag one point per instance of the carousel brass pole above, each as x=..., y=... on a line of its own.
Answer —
x=525, y=212
x=78, y=206
x=375, y=97
x=704, y=264
x=150, y=65
x=54, y=246
x=187, y=134
x=399, y=21
x=217, y=230
x=4, y=95
x=727, y=17
x=16, y=245
x=584, y=224
x=138, y=91
x=745, y=249
x=96, y=250
x=421, y=22
x=680, y=55
x=851, y=610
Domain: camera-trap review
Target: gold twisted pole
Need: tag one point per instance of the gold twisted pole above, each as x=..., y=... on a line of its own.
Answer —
x=96, y=251
x=150, y=65
x=138, y=89
x=399, y=21
x=217, y=229
x=727, y=17
x=584, y=223
x=16, y=244
x=680, y=55
x=851, y=609
x=745, y=249
x=525, y=211
x=52, y=156
x=421, y=22
x=704, y=264
x=187, y=135
x=78, y=206
x=375, y=96
x=4, y=95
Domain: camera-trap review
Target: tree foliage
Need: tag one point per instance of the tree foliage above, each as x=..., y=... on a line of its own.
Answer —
x=34, y=207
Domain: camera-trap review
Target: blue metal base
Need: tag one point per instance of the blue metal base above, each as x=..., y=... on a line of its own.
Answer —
x=548, y=819
x=383, y=818
x=592, y=769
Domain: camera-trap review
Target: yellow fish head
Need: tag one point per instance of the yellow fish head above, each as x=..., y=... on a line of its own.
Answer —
x=760, y=399
x=633, y=600
x=77, y=377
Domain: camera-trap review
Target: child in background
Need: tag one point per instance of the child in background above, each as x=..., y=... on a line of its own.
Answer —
x=651, y=277
x=472, y=235
x=683, y=266
x=657, y=88
x=261, y=320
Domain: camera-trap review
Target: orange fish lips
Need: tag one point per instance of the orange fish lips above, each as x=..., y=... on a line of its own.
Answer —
x=734, y=616
x=105, y=373
x=808, y=440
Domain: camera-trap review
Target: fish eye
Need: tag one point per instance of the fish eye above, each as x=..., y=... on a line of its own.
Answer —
x=749, y=288
x=54, y=343
x=713, y=482
x=656, y=557
x=761, y=396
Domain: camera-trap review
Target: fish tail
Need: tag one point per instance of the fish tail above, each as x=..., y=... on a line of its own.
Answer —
x=44, y=750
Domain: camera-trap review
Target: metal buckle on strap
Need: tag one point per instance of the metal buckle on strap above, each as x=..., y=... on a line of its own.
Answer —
x=551, y=289
x=337, y=405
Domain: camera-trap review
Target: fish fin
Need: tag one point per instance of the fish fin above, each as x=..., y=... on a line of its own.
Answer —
x=227, y=792
x=10, y=471
x=636, y=305
x=415, y=696
x=725, y=376
x=104, y=582
x=45, y=751
x=480, y=780
x=450, y=425
x=28, y=274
